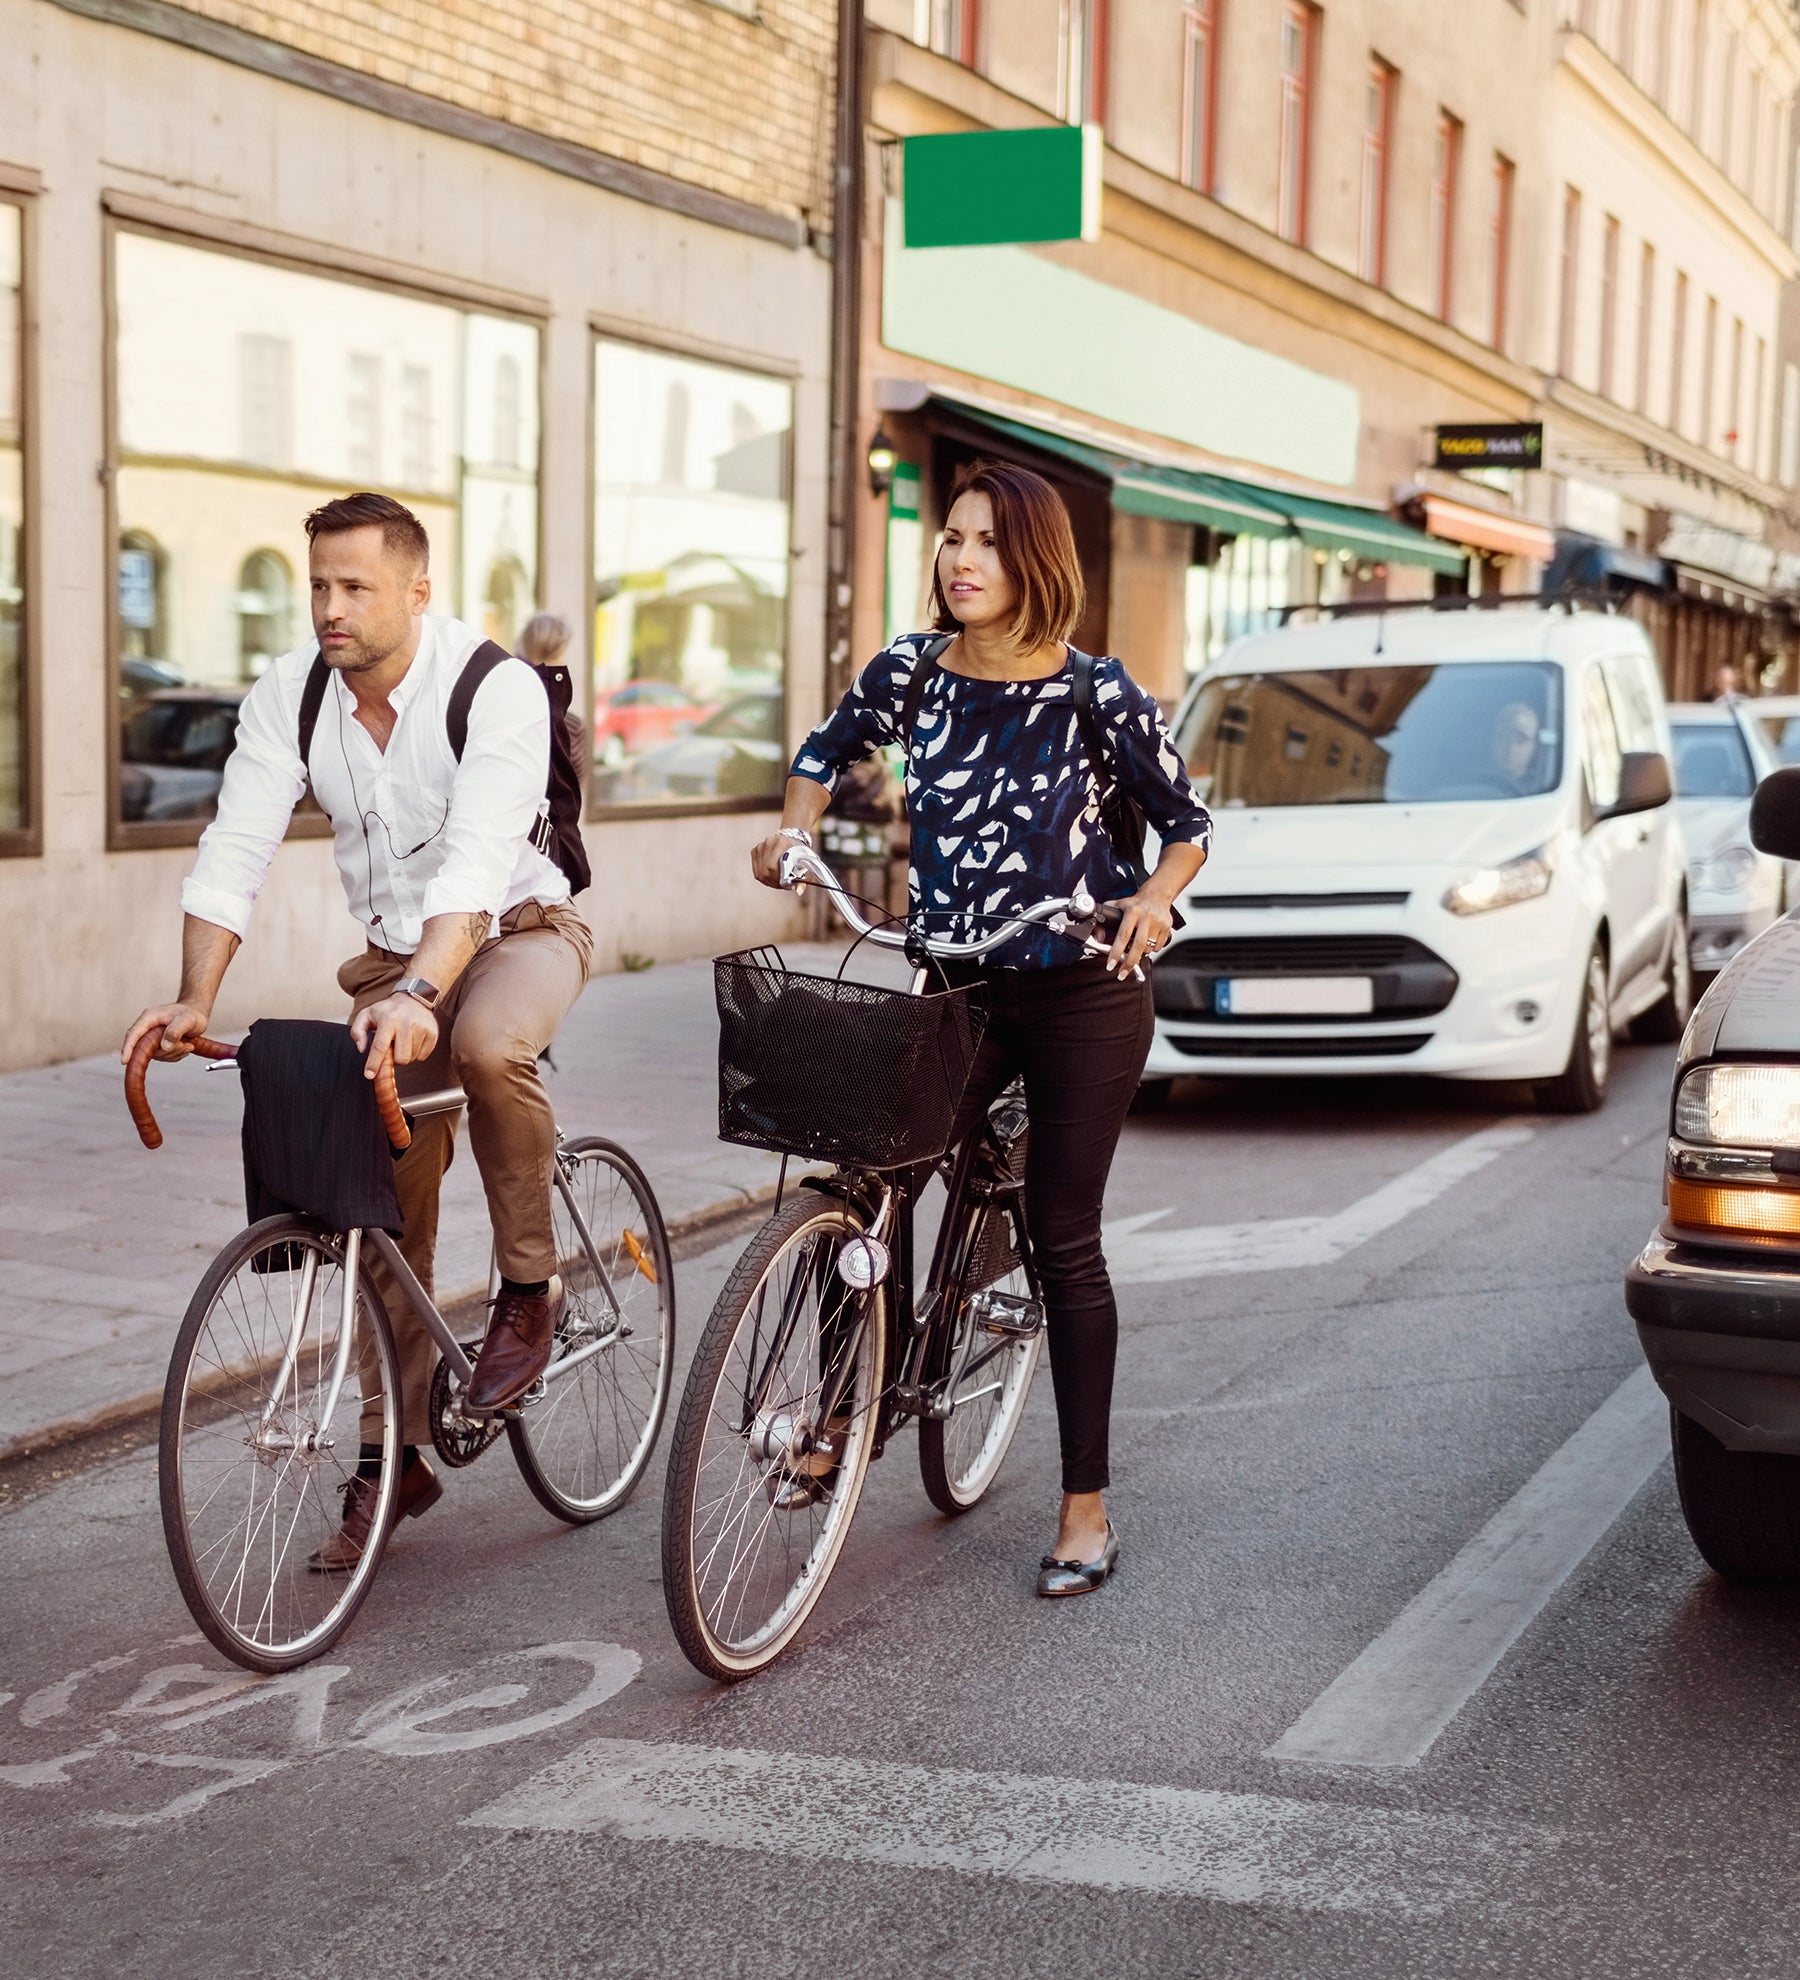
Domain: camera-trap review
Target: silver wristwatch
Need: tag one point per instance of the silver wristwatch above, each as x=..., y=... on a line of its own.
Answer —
x=417, y=988
x=798, y=833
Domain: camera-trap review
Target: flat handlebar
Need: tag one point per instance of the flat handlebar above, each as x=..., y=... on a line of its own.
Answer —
x=387, y=1098
x=802, y=867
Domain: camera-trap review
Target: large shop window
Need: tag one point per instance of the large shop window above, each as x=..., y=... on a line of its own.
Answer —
x=13, y=817
x=691, y=530
x=248, y=393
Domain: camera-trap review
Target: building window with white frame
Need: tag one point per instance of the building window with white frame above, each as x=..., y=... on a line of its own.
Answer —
x=14, y=796
x=1200, y=53
x=210, y=494
x=1500, y=250
x=1678, y=325
x=1646, y=326
x=1081, y=61
x=1569, y=300
x=1446, y=169
x=947, y=27
x=1377, y=157
x=691, y=555
x=1787, y=466
x=1299, y=43
x=1609, y=308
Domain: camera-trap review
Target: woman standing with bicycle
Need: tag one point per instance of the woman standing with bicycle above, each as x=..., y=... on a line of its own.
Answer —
x=1007, y=807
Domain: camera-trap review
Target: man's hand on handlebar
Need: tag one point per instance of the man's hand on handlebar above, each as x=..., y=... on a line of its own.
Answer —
x=398, y=1025
x=180, y=1025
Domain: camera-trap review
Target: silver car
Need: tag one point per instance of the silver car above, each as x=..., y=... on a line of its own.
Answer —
x=1734, y=892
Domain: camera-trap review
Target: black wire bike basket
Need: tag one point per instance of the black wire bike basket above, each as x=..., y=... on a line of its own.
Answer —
x=840, y=1072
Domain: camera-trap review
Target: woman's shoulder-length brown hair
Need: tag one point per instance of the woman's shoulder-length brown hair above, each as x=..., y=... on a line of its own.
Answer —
x=1036, y=546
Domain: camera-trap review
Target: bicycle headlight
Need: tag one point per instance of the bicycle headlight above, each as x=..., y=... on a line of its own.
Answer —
x=1521, y=879
x=1740, y=1106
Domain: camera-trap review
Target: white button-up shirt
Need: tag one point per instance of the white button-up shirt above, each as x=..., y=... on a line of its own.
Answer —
x=416, y=833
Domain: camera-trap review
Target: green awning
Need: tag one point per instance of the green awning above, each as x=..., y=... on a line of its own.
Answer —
x=1233, y=508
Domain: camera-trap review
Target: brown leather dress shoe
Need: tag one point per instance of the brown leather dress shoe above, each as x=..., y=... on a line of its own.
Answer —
x=420, y=1489
x=520, y=1340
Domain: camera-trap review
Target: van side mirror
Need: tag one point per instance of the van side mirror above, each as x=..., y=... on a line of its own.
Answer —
x=1775, y=814
x=1643, y=783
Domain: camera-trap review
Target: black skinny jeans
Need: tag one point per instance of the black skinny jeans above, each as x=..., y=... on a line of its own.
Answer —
x=1079, y=1037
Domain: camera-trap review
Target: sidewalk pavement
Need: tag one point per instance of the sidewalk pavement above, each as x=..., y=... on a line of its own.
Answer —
x=102, y=1242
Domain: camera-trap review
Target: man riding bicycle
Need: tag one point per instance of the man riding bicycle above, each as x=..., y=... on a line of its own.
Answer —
x=474, y=952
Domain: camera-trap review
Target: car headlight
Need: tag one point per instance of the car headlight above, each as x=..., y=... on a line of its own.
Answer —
x=1729, y=870
x=1740, y=1107
x=1521, y=879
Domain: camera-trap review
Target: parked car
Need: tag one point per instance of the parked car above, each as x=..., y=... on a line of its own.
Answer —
x=1716, y=1292
x=1734, y=891
x=736, y=752
x=1443, y=844
x=1777, y=716
x=636, y=716
x=173, y=743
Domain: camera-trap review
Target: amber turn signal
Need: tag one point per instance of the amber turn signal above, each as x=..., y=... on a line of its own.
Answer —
x=1719, y=1207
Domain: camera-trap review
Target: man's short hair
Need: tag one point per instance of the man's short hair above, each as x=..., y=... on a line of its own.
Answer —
x=402, y=533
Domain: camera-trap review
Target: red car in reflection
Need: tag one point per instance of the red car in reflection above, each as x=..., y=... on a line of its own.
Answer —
x=638, y=715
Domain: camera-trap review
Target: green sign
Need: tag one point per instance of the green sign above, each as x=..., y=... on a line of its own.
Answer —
x=903, y=492
x=980, y=188
x=1490, y=446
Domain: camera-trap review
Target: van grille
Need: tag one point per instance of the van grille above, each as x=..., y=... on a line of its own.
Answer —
x=1395, y=1045
x=1407, y=980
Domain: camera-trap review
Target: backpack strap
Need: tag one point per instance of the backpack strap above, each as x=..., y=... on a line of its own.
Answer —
x=919, y=680
x=1093, y=736
x=479, y=665
x=312, y=699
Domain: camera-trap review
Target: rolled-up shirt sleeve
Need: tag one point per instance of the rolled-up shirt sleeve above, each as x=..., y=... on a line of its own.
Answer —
x=1148, y=764
x=264, y=779
x=865, y=720
x=497, y=795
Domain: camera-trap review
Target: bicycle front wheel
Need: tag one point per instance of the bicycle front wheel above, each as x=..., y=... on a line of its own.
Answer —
x=584, y=1443
x=989, y=1374
x=261, y=1429
x=772, y=1442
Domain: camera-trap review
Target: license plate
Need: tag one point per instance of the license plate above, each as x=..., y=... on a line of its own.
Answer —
x=1294, y=996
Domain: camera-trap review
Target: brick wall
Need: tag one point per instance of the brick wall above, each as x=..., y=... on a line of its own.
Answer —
x=685, y=87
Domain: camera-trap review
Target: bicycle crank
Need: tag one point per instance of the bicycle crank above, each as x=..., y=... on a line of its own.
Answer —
x=457, y=1437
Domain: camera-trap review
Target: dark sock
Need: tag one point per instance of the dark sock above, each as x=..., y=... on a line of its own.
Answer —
x=528, y=1288
x=368, y=1460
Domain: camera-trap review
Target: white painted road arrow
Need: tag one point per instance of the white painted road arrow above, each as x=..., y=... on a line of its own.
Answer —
x=1136, y=1255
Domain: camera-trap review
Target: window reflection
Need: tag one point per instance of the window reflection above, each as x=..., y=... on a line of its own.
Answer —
x=691, y=576
x=248, y=394
x=12, y=527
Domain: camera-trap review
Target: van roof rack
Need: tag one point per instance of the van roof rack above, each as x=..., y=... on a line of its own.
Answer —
x=1567, y=598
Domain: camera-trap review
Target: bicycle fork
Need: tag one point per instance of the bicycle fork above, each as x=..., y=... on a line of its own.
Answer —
x=267, y=1437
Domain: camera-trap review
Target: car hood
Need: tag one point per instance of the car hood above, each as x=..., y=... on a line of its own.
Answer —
x=1711, y=824
x=1754, y=1003
x=1305, y=843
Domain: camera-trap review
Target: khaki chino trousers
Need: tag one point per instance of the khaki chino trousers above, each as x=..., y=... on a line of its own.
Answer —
x=493, y=1022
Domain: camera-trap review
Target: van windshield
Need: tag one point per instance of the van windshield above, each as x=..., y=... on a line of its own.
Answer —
x=1377, y=735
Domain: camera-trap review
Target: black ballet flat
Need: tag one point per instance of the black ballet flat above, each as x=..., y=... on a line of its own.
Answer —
x=1078, y=1577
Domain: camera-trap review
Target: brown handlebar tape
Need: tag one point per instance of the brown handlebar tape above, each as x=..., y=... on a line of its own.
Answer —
x=387, y=1098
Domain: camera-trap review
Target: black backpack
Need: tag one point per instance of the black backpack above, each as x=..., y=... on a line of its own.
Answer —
x=1120, y=812
x=557, y=833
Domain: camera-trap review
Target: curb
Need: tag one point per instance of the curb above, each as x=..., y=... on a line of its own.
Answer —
x=688, y=1237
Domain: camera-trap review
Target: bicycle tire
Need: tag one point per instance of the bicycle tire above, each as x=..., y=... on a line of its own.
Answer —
x=955, y=1478
x=208, y=1385
x=548, y=1436
x=807, y=1232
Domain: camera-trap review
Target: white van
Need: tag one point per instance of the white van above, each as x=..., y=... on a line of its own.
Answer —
x=1443, y=843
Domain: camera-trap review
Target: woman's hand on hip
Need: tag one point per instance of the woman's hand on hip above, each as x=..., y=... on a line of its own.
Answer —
x=1145, y=926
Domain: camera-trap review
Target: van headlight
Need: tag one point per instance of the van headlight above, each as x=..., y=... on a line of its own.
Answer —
x=1521, y=879
x=1728, y=871
x=1738, y=1106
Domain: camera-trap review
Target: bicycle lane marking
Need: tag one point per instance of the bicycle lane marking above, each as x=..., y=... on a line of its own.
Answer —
x=1137, y=1255
x=1389, y=1706
x=1033, y=1828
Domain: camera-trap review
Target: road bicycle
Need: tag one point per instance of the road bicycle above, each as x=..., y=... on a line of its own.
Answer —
x=817, y=1350
x=286, y=1343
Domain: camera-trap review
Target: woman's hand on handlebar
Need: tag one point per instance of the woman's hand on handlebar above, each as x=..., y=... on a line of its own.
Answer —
x=803, y=804
x=180, y=1025
x=1145, y=926
x=399, y=1025
x=765, y=858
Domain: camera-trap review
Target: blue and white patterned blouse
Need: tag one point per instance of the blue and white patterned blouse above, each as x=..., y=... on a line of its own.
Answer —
x=1004, y=805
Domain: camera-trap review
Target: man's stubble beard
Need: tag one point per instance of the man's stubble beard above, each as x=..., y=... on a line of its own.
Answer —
x=360, y=657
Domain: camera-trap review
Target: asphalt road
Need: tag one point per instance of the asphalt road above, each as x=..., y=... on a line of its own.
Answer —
x=1409, y=1667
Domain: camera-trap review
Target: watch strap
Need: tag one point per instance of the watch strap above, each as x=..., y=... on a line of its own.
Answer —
x=418, y=988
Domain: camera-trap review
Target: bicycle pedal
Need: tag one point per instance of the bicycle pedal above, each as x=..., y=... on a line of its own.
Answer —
x=1006, y=1314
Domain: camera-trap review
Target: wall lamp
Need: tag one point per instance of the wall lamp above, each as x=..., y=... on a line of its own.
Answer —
x=882, y=461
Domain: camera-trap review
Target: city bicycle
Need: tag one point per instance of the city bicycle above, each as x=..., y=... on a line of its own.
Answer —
x=818, y=1349
x=286, y=1347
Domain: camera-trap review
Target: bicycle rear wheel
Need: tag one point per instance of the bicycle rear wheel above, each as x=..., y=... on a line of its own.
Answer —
x=256, y=1452
x=960, y=1457
x=748, y=1543
x=584, y=1443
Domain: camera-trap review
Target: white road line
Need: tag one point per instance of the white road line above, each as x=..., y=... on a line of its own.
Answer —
x=1138, y=1256
x=1103, y=1835
x=1392, y=1703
